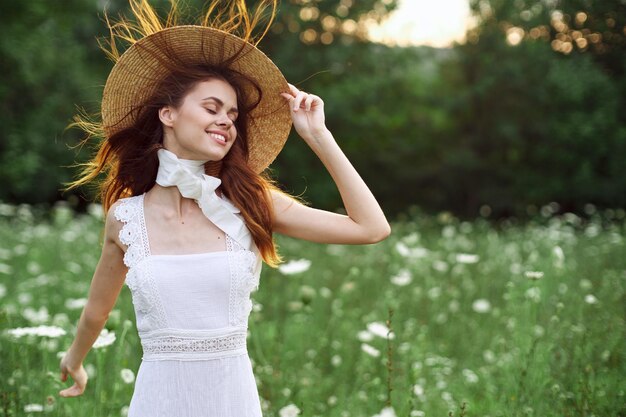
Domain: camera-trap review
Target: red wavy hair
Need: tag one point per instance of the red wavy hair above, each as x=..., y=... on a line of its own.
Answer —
x=128, y=157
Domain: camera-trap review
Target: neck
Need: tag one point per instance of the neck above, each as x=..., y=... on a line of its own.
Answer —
x=169, y=197
x=170, y=200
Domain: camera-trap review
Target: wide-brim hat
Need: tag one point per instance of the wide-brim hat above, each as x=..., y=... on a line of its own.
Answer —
x=140, y=69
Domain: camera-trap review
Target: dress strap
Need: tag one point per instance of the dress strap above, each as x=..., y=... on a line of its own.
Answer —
x=133, y=234
x=232, y=244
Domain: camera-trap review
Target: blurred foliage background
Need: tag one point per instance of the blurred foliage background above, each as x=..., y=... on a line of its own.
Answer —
x=529, y=110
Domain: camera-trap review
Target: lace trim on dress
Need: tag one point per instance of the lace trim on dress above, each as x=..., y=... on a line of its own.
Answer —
x=243, y=282
x=145, y=243
x=159, y=316
x=127, y=212
x=192, y=346
x=139, y=277
x=232, y=244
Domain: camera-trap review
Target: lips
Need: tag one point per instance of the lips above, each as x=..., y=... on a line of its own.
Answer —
x=218, y=137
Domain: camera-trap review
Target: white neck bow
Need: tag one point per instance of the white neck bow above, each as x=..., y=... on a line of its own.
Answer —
x=188, y=175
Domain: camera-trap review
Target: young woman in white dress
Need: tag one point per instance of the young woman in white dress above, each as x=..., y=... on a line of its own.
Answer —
x=183, y=97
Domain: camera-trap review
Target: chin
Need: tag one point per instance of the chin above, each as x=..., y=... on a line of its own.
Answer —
x=207, y=154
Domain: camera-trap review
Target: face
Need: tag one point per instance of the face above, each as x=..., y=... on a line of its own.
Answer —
x=203, y=127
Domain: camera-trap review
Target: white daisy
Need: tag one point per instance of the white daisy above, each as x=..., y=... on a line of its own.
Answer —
x=379, y=329
x=75, y=303
x=470, y=376
x=386, y=412
x=370, y=350
x=481, y=306
x=365, y=336
x=402, y=278
x=533, y=275
x=33, y=408
x=128, y=376
x=294, y=267
x=106, y=338
x=467, y=258
x=47, y=331
x=290, y=410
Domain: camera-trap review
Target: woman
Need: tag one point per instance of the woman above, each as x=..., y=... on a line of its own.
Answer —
x=191, y=116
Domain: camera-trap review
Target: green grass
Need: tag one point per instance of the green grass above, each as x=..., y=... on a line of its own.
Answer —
x=552, y=346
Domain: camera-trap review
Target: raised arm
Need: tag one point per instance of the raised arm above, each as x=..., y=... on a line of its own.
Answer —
x=105, y=287
x=365, y=221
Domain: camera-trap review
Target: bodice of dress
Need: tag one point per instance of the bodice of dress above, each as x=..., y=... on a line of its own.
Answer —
x=190, y=306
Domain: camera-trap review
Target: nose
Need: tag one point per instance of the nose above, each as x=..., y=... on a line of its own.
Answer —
x=224, y=121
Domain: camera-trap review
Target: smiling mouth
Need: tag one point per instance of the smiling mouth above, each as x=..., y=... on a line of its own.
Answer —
x=218, y=138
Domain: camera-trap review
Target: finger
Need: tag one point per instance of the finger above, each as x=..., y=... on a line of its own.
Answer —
x=73, y=391
x=297, y=103
x=287, y=96
x=290, y=99
x=293, y=89
x=308, y=102
x=317, y=102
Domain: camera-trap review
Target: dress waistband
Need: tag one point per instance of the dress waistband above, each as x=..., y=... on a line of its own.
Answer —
x=183, y=344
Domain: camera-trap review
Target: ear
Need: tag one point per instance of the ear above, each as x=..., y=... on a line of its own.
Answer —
x=167, y=115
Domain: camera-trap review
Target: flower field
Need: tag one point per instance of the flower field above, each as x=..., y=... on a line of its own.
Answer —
x=498, y=318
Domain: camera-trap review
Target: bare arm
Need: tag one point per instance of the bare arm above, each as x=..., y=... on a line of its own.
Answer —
x=365, y=221
x=105, y=287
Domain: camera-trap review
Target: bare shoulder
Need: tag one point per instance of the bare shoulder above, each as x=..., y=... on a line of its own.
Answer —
x=282, y=201
x=286, y=210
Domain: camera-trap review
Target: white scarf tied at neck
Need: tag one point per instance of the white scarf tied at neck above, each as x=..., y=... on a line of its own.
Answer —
x=188, y=175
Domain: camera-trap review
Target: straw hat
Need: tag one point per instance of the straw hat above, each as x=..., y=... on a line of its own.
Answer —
x=137, y=73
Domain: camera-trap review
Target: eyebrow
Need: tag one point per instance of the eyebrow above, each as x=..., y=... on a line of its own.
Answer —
x=221, y=103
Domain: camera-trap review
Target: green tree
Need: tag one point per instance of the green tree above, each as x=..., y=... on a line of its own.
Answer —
x=46, y=69
x=536, y=124
x=597, y=28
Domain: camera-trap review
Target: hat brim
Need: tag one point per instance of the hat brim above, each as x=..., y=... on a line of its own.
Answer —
x=141, y=68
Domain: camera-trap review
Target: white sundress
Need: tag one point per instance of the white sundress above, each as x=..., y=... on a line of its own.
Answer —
x=192, y=318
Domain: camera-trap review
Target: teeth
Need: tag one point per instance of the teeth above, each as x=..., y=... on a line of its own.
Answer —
x=218, y=137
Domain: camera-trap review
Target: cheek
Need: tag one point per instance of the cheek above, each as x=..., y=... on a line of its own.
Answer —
x=188, y=122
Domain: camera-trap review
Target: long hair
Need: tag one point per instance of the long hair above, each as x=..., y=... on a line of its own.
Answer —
x=128, y=156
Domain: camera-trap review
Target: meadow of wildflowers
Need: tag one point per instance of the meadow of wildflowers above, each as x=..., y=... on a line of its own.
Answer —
x=510, y=318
